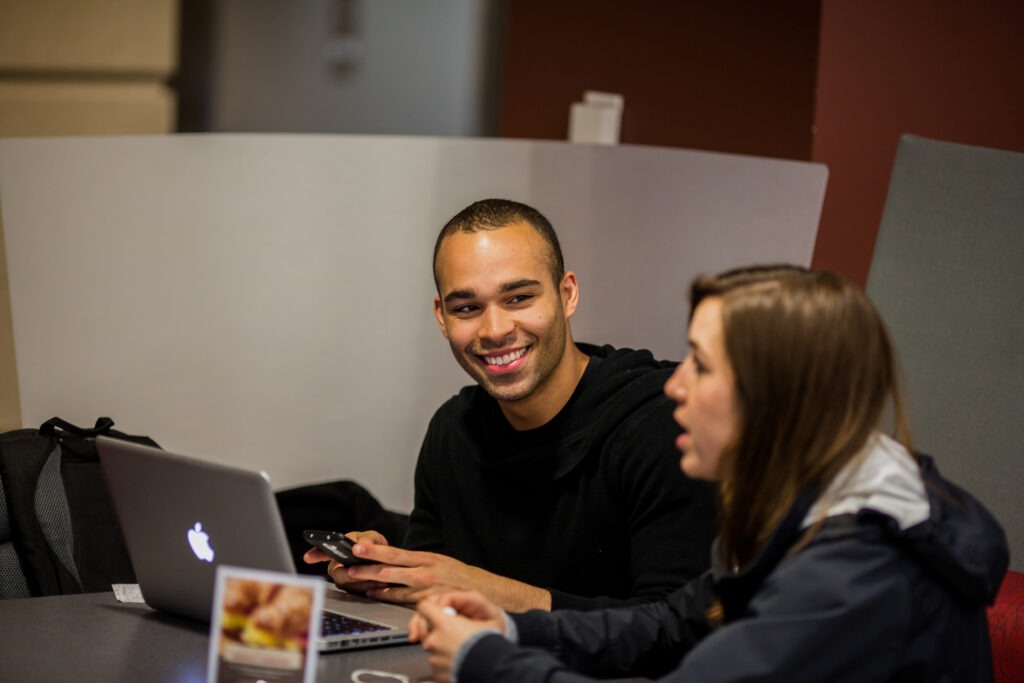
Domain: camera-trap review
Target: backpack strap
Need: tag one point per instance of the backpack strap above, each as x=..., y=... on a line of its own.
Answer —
x=12, y=578
x=51, y=427
x=38, y=512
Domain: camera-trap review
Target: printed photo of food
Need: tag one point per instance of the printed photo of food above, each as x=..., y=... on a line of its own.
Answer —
x=263, y=626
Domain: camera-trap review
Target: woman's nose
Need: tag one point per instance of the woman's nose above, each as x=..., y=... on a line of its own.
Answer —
x=675, y=387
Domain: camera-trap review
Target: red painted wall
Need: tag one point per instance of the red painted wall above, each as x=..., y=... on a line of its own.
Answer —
x=835, y=81
x=730, y=76
x=947, y=69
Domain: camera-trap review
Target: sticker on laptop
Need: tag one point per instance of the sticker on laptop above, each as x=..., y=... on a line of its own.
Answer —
x=264, y=626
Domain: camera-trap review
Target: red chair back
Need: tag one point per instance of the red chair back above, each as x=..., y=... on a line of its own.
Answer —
x=1006, y=628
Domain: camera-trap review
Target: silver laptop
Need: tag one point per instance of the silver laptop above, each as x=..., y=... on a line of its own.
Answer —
x=182, y=517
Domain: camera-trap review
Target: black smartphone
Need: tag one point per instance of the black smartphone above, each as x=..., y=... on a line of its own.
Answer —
x=335, y=544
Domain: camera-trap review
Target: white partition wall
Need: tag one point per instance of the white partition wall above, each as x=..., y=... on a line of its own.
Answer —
x=266, y=300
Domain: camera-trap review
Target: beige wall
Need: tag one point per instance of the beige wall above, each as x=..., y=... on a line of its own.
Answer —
x=87, y=67
x=10, y=406
x=79, y=67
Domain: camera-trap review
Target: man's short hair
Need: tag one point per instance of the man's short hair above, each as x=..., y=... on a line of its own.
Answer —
x=493, y=214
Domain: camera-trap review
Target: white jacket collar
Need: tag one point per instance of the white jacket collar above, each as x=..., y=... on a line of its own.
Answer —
x=883, y=478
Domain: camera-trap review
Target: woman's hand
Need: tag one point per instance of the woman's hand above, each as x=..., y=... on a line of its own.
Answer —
x=443, y=623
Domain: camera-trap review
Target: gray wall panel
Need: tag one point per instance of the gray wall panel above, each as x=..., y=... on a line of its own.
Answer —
x=948, y=276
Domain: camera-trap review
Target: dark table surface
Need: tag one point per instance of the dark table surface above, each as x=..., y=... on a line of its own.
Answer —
x=93, y=637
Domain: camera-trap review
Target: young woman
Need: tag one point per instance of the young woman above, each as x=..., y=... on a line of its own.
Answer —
x=842, y=555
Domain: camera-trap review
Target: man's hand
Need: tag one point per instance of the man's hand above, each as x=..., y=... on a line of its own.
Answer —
x=336, y=570
x=408, y=576
x=443, y=623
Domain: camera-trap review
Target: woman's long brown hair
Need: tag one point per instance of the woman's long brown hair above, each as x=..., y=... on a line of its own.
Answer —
x=814, y=369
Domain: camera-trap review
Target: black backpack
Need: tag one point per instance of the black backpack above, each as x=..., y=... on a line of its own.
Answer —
x=58, y=529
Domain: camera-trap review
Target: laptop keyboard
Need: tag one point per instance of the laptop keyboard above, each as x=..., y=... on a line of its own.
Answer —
x=334, y=624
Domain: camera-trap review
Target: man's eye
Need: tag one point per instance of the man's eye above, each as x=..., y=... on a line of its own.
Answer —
x=465, y=310
x=520, y=298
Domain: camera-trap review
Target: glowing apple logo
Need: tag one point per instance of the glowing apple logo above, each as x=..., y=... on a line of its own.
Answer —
x=199, y=540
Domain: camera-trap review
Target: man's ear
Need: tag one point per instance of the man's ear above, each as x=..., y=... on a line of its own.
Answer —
x=439, y=314
x=570, y=293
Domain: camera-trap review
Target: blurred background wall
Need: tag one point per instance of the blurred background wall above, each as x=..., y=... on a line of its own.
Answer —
x=345, y=66
x=80, y=67
x=87, y=67
x=832, y=81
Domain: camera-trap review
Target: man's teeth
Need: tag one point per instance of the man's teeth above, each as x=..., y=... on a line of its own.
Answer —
x=506, y=359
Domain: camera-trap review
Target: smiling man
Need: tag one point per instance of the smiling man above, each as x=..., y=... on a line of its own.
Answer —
x=554, y=481
x=504, y=305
